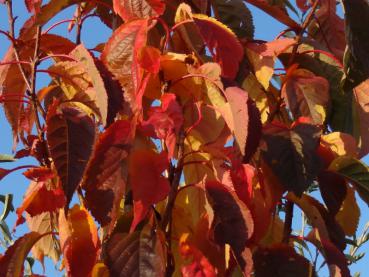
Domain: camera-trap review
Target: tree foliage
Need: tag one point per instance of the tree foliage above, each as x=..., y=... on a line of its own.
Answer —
x=187, y=148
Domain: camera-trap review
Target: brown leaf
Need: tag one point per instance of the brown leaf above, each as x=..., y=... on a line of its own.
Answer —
x=70, y=137
x=141, y=253
x=232, y=224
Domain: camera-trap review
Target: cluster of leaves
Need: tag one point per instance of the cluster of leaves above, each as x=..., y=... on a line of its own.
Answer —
x=183, y=143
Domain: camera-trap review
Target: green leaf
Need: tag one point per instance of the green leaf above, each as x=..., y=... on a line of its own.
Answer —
x=4, y=158
x=355, y=171
x=8, y=205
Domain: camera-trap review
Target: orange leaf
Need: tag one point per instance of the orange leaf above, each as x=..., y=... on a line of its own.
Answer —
x=39, y=174
x=148, y=184
x=79, y=241
x=131, y=9
x=39, y=198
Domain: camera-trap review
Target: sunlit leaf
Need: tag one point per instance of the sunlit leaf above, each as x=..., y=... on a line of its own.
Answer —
x=131, y=9
x=79, y=241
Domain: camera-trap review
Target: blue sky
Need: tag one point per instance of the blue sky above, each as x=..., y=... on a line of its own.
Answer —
x=93, y=33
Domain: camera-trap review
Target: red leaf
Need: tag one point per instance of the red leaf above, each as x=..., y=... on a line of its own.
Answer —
x=148, y=184
x=131, y=9
x=33, y=6
x=38, y=199
x=199, y=265
x=149, y=59
x=120, y=56
x=232, y=223
x=39, y=174
x=79, y=241
x=11, y=263
x=222, y=43
x=104, y=180
x=165, y=122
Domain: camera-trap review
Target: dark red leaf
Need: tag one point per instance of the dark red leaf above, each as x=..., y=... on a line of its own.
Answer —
x=104, y=179
x=232, y=224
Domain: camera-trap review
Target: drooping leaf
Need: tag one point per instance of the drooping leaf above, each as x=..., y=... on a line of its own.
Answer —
x=232, y=224
x=333, y=190
x=87, y=60
x=79, y=241
x=120, y=57
x=12, y=82
x=306, y=95
x=104, y=180
x=70, y=137
x=349, y=214
x=361, y=112
x=48, y=245
x=39, y=199
x=148, y=184
x=356, y=57
x=132, y=9
x=141, y=253
x=290, y=153
x=222, y=43
x=275, y=11
x=281, y=261
x=319, y=217
x=335, y=259
x=236, y=15
x=11, y=263
x=355, y=171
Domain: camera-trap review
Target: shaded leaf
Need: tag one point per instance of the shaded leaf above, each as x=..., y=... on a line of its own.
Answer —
x=236, y=15
x=349, y=214
x=281, y=261
x=79, y=241
x=70, y=137
x=232, y=224
x=131, y=9
x=141, y=253
x=290, y=153
x=148, y=184
x=11, y=263
x=104, y=179
x=355, y=171
x=356, y=57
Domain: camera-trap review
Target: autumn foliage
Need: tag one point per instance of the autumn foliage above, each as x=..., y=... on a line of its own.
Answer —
x=183, y=146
